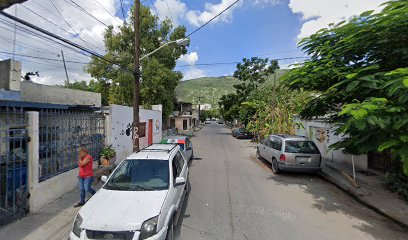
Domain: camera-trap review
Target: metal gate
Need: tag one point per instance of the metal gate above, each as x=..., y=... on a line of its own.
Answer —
x=62, y=133
x=13, y=163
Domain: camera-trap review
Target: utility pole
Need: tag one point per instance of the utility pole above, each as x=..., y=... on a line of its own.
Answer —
x=65, y=66
x=136, y=78
x=199, y=108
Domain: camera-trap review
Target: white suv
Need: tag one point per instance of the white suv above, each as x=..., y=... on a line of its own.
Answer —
x=140, y=200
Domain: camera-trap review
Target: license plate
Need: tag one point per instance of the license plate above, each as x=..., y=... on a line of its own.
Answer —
x=304, y=159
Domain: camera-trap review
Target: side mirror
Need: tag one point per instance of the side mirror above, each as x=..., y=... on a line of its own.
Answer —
x=104, y=178
x=189, y=148
x=179, y=181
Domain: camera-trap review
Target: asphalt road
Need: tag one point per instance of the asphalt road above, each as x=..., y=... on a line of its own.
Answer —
x=236, y=196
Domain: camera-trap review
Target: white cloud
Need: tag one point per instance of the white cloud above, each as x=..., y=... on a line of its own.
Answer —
x=175, y=10
x=90, y=30
x=266, y=2
x=190, y=58
x=197, y=18
x=193, y=73
x=320, y=13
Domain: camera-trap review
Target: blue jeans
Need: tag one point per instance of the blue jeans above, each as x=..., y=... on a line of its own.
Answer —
x=85, y=185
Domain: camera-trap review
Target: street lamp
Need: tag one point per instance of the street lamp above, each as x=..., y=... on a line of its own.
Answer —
x=180, y=42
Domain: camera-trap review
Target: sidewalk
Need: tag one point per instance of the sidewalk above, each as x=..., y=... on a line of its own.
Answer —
x=371, y=192
x=53, y=222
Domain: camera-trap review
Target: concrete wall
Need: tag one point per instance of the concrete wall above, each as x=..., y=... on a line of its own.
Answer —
x=49, y=190
x=323, y=134
x=119, y=129
x=34, y=92
x=10, y=75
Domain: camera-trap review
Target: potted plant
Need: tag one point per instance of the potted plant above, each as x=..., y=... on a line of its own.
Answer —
x=107, y=154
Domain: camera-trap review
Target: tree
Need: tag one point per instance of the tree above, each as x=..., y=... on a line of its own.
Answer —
x=252, y=73
x=158, y=78
x=360, y=69
x=101, y=87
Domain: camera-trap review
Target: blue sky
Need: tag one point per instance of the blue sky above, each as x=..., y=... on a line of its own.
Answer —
x=264, y=28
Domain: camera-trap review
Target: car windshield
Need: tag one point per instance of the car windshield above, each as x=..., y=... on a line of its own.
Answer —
x=301, y=147
x=140, y=175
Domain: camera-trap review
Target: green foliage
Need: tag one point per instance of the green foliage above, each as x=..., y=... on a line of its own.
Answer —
x=159, y=81
x=108, y=152
x=93, y=86
x=252, y=73
x=210, y=89
x=273, y=113
x=360, y=70
x=213, y=113
x=397, y=180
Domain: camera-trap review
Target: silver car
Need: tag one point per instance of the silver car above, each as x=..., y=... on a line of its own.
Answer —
x=290, y=153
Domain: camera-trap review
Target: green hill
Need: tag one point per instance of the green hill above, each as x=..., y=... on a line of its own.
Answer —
x=209, y=88
x=212, y=88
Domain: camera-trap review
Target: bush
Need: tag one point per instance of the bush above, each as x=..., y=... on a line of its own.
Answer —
x=396, y=180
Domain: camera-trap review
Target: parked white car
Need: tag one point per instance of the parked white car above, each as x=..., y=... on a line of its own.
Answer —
x=141, y=199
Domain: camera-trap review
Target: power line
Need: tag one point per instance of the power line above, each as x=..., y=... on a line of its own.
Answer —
x=168, y=8
x=235, y=62
x=123, y=11
x=69, y=25
x=219, y=14
x=30, y=33
x=43, y=58
x=63, y=40
x=59, y=17
x=76, y=5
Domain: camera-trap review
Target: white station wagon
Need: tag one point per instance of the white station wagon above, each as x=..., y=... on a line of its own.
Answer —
x=140, y=200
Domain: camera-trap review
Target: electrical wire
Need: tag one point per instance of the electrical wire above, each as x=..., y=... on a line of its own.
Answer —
x=236, y=62
x=63, y=40
x=69, y=25
x=76, y=5
x=212, y=19
x=43, y=58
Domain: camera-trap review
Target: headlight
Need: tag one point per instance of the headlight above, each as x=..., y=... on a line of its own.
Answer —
x=76, y=229
x=149, y=228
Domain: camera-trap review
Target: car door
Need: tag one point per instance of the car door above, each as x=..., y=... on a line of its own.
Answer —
x=276, y=148
x=262, y=147
x=181, y=171
x=188, y=148
x=268, y=149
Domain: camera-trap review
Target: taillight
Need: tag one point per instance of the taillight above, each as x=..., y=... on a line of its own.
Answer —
x=282, y=157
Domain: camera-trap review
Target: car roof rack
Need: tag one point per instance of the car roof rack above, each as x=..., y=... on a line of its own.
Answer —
x=159, y=149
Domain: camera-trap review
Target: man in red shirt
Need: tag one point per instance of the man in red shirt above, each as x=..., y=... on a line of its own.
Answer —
x=85, y=175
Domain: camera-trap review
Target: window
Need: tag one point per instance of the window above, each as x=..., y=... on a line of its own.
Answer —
x=172, y=123
x=269, y=143
x=185, y=124
x=140, y=175
x=179, y=160
x=188, y=143
x=277, y=144
x=301, y=147
x=142, y=129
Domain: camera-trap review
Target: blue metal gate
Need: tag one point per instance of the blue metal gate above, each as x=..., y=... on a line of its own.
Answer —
x=13, y=163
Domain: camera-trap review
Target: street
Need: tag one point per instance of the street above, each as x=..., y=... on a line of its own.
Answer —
x=235, y=196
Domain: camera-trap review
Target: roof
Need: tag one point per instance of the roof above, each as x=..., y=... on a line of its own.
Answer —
x=155, y=152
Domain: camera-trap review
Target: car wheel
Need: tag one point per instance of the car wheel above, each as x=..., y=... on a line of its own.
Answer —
x=170, y=230
x=275, y=167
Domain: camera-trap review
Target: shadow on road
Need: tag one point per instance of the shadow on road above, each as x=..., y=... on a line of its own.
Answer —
x=329, y=198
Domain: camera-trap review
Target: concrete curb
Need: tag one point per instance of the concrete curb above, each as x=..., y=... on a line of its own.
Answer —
x=361, y=200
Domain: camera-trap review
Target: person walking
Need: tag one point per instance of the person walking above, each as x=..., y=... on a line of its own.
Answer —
x=85, y=175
